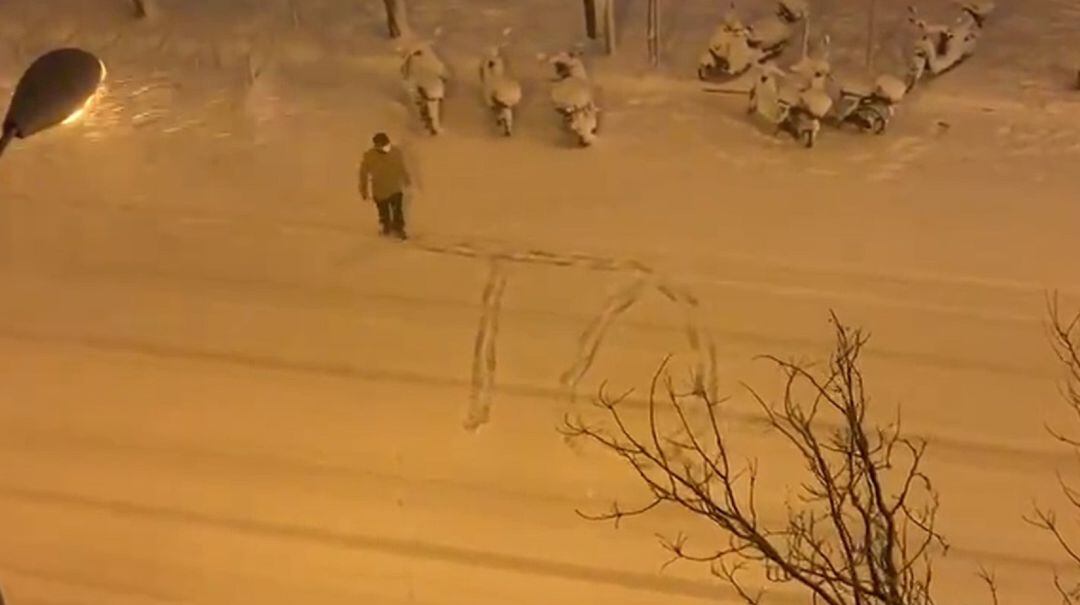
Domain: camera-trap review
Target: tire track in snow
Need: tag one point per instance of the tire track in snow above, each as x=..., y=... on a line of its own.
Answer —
x=87, y=586
x=601, y=263
x=699, y=339
x=357, y=541
x=485, y=356
x=282, y=225
x=26, y=493
x=970, y=450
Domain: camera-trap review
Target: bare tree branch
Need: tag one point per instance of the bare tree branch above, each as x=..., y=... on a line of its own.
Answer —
x=396, y=23
x=859, y=530
x=990, y=579
x=1064, y=333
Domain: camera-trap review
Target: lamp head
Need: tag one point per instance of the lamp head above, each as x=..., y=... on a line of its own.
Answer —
x=56, y=89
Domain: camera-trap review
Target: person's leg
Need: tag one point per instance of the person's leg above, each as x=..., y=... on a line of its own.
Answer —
x=384, y=215
x=397, y=214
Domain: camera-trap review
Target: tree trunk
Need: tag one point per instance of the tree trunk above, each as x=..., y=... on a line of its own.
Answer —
x=590, y=19
x=806, y=37
x=871, y=34
x=395, y=17
x=654, y=32
x=143, y=8
x=609, y=26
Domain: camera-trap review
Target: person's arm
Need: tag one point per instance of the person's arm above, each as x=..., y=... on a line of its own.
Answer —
x=365, y=175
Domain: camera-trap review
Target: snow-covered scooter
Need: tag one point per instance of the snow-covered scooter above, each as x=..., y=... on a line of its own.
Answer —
x=734, y=48
x=501, y=92
x=572, y=95
x=868, y=108
x=942, y=47
x=425, y=77
x=800, y=117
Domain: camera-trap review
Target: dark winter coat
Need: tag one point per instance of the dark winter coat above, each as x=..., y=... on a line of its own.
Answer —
x=386, y=171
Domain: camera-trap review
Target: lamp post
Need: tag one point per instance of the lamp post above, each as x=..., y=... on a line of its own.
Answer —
x=56, y=89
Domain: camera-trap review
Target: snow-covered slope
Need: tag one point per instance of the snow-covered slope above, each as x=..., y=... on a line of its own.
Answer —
x=218, y=386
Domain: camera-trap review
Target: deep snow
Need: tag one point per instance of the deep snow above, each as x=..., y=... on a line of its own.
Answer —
x=218, y=386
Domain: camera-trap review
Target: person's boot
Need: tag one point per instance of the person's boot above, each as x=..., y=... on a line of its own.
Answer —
x=400, y=233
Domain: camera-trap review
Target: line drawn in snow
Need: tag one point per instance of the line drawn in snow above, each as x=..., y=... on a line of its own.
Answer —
x=702, y=345
x=701, y=341
x=484, y=351
x=539, y=257
x=590, y=342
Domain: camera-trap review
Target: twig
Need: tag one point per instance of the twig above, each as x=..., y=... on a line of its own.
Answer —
x=990, y=579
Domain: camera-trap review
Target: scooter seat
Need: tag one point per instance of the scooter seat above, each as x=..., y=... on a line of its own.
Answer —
x=429, y=85
x=507, y=93
x=769, y=32
x=816, y=102
x=572, y=92
x=890, y=87
x=856, y=88
x=788, y=94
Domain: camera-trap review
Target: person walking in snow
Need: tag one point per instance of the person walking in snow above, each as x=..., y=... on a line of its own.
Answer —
x=383, y=178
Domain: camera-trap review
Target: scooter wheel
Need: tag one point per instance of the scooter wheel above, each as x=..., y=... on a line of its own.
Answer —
x=872, y=120
x=877, y=124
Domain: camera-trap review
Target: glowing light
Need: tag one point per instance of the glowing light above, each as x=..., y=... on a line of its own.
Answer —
x=80, y=112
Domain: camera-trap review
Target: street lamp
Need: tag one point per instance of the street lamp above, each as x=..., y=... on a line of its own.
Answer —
x=57, y=88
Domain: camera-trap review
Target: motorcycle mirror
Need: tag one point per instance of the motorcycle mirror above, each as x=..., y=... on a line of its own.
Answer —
x=56, y=89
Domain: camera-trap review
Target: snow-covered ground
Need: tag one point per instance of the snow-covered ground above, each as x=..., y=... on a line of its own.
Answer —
x=217, y=385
